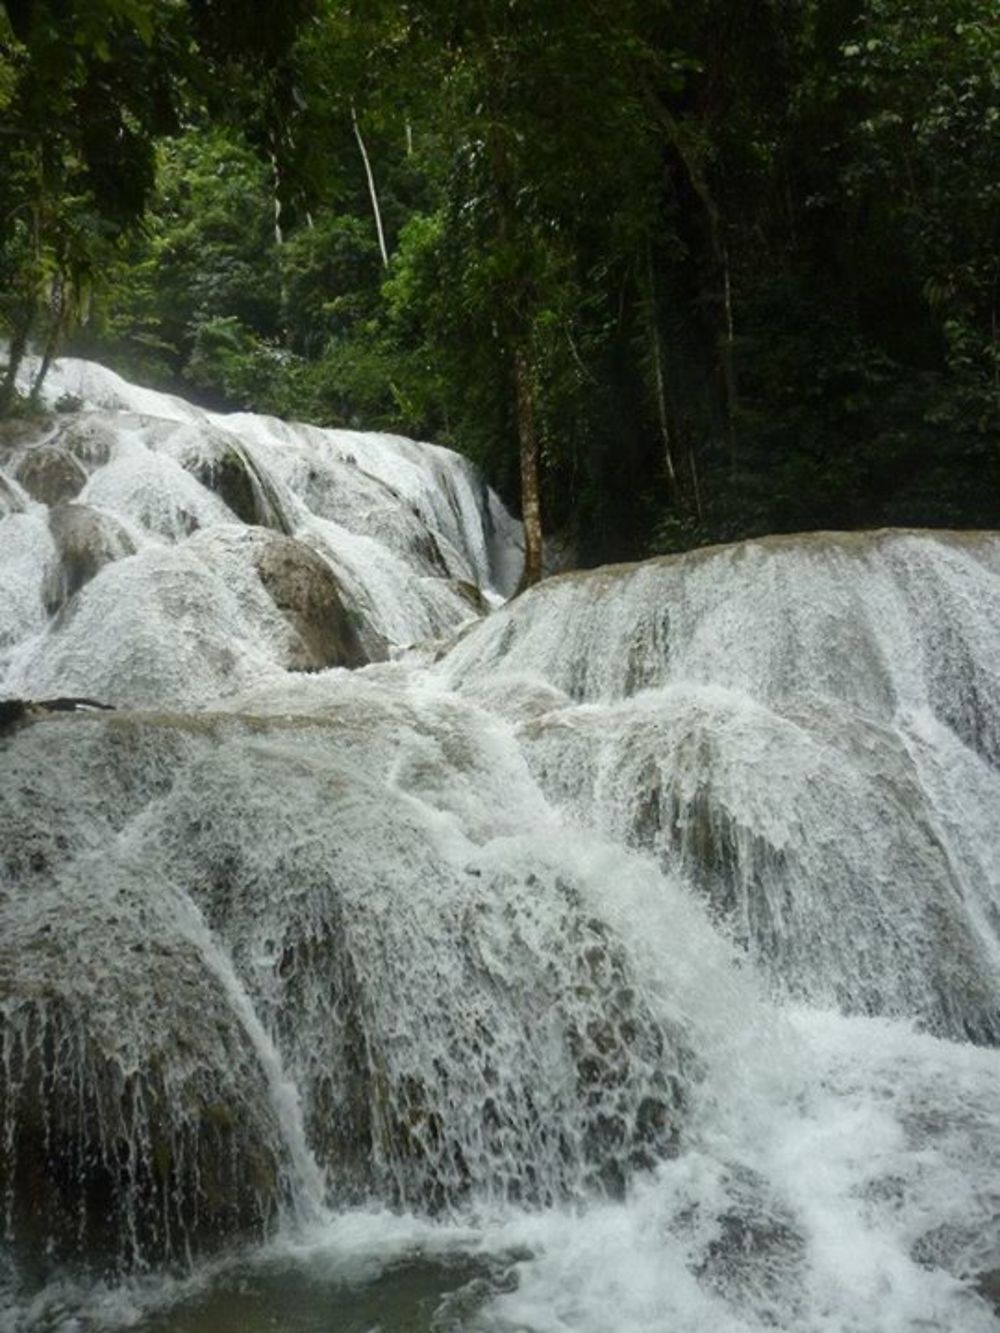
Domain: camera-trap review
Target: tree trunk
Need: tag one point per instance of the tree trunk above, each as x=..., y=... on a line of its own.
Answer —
x=659, y=385
x=373, y=193
x=691, y=154
x=15, y=355
x=57, y=316
x=531, y=505
x=279, y=245
x=728, y=355
x=695, y=484
x=515, y=321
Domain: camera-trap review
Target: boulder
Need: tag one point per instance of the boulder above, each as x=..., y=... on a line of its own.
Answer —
x=987, y=1285
x=10, y=501
x=50, y=474
x=89, y=437
x=18, y=433
x=86, y=540
x=228, y=470
x=305, y=590
x=136, y=1124
x=124, y=1151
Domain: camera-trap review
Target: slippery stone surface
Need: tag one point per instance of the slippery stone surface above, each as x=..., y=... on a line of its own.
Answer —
x=50, y=475
x=10, y=501
x=225, y=467
x=808, y=728
x=86, y=541
x=154, y=585
x=133, y=1125
x=89, y=436
x=459, y=1026
x=17, y=433
x=305, y=590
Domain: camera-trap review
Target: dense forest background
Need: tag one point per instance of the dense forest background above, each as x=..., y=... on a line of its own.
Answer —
x=672, y=271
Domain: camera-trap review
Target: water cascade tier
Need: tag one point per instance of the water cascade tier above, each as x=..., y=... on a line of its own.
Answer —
x=377, y=952
x=153, y=554
x=806, y=728
x=318, y=903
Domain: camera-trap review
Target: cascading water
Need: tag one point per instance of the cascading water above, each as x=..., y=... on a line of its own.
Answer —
x=807, y=728
x=627, y=961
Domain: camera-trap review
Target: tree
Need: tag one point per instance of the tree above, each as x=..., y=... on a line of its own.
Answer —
x=538, y=128
x=89, y=86
x=672, y=273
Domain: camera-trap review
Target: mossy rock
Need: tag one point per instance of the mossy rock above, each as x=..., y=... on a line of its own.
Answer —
x=305, y=590
x=143, y=1141
x=50, y=474
x=86, y=540
x=230, y=473
x=472, y=594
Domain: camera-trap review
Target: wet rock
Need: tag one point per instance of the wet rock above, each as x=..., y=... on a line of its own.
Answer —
x=50, y=474
x=135, y=1121
x=89, y=437
x=623, y=1134
x=473, y=595
x=13, y=711
x=755, y=1257
x=306, y=591
x=340, y=491
x=340, y=1102
x=86, y=540
x=16, y=433
x=10, y=501
x=129, y=1158
x=526, y=1062
x=987, y=1285
x=229, y=471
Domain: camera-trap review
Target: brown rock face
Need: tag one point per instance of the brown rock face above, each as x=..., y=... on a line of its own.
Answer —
x=87, y=540
x=231, y=474
x=305, y=590
x=51, y=475
x=988, y=1286
x=17, y=432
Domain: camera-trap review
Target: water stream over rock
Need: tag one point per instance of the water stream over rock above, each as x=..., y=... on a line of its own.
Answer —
x=627, y=957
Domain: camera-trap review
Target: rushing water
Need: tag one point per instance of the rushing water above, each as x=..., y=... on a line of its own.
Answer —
x=625, y=958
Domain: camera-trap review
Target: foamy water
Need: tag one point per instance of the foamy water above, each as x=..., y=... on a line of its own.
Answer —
x=630, y=964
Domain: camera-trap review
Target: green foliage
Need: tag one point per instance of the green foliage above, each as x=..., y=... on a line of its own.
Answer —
x=87, y=88
x=746, y=249
x=206, y=254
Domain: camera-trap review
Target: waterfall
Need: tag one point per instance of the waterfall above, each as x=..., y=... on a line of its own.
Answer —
x=622, y=956
x=807, y=728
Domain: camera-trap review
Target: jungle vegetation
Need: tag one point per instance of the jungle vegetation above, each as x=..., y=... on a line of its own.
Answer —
x=671, y=272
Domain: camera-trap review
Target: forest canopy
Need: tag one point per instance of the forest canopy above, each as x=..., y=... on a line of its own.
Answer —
x=671, y=272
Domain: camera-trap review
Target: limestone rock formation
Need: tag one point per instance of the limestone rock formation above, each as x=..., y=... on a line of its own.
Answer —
x=10, y=501
x=50, y=474
x=86, y=541
x=89, y=436
x=134, y=1116
x=305, y=590
x=228, y=470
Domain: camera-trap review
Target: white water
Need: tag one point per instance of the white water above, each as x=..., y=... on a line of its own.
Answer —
x=615, y=971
